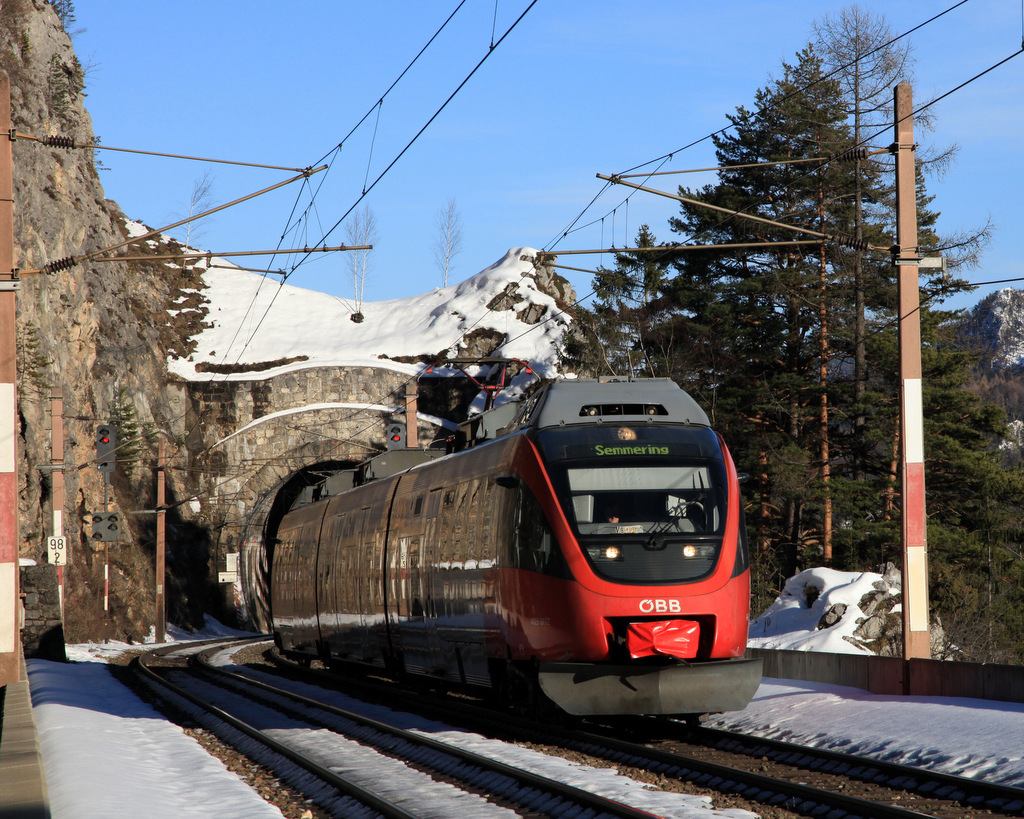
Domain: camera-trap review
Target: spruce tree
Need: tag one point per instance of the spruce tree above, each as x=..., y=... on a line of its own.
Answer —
x=760, y=312
x=792, y=349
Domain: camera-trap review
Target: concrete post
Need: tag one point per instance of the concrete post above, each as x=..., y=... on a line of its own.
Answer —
x=916, y=636
x=10, y=604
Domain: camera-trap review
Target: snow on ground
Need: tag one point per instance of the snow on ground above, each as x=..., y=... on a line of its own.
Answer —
x=980, y=739
x=428, y=324
x=108, y=754
x=975, y=738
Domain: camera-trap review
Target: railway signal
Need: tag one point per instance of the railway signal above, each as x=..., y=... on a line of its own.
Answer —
x=106, y=444
x=106, y=526
x=396, y=435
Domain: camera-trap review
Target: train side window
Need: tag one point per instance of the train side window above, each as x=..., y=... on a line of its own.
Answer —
x=434, y=504
x=414, y=578
x=536, y=549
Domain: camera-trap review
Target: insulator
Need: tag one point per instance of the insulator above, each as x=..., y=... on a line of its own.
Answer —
x=850, y=155
x=61, y=264
x=851, y=241
x=67, y=143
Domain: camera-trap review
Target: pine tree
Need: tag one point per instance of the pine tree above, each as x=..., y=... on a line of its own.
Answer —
x=130, y=434
x=66, y=12
x=624, y=300
x=619, y=335
x=761, y=315
x=770, y=341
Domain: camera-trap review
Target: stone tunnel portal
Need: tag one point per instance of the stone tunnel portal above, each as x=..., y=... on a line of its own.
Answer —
x=260, y=535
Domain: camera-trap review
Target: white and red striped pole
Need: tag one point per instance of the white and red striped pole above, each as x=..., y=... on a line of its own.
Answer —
x=916, y=635
x=10, y=625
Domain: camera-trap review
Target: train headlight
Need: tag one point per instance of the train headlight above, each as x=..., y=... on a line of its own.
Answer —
x=605, y=552
x=689, y=550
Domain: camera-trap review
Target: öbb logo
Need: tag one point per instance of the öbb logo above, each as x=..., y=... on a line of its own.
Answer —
x=650, y=606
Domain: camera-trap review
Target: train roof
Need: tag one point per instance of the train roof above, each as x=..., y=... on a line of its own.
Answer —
x=656, y=400
x=579, y=402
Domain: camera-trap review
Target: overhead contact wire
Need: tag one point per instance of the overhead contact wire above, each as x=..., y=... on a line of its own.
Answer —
x=661, y=160
x=434, y=116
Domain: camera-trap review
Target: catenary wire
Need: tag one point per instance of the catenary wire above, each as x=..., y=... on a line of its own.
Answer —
x=664, y=158
x=586, y=297
x=335, y=151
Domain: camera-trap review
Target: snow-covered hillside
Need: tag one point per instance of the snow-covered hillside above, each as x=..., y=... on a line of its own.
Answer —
x=256, y=327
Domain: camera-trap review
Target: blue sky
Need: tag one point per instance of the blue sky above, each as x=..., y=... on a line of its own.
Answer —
x=574, y=90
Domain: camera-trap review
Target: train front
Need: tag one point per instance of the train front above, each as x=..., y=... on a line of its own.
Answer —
x=650, y=523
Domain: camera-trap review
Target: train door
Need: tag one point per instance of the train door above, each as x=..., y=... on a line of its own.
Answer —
x=327, y=575
x=410, y=603
x=430, y=572
x=394, y=565
x=371, y=592
x=358, y=589
x=460, y=574
x=346, y=585
x=446, y=582
x=384, y=647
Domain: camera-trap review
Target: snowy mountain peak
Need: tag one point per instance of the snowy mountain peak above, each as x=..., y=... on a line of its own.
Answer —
x=996, y=327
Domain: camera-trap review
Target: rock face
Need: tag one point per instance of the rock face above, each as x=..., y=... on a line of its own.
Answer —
x=78, y=328
x=102, y=333
x=995, y=327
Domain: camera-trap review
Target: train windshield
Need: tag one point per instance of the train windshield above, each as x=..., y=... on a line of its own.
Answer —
x=647, y=503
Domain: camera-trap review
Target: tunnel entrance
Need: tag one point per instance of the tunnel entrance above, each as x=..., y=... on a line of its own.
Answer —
x=301, y=484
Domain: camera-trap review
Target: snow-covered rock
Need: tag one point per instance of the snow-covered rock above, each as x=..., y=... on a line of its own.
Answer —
x=837, y=612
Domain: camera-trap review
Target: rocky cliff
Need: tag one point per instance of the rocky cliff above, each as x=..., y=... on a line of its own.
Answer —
x=103, y=333
x=994, y=330
x=995, y=327
x=94, y=330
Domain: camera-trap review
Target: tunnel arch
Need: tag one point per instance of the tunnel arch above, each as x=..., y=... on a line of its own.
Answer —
x=259, y=536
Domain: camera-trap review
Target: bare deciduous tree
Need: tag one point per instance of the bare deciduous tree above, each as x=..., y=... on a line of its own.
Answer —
x=449, y=239
x=193, y=230
x=361, y=230
x=200, y=201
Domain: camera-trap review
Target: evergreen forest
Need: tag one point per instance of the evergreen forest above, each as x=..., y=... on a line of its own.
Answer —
x=792, y=349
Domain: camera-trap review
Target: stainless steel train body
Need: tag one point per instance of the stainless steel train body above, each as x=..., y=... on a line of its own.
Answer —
x=595, y=550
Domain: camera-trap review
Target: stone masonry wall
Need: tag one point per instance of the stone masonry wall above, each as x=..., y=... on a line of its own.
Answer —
x=313, y=415
x=43, y=630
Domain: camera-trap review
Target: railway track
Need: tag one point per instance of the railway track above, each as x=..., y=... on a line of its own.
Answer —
x=798, y=779
x=934, y=785
x=352, y=765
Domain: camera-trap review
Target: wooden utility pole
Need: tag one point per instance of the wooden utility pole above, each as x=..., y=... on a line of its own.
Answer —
x=160, y=615
x=10, y=620
x=916, y=636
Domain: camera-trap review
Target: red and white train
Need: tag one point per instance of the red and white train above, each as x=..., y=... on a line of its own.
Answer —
x=593, y=549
